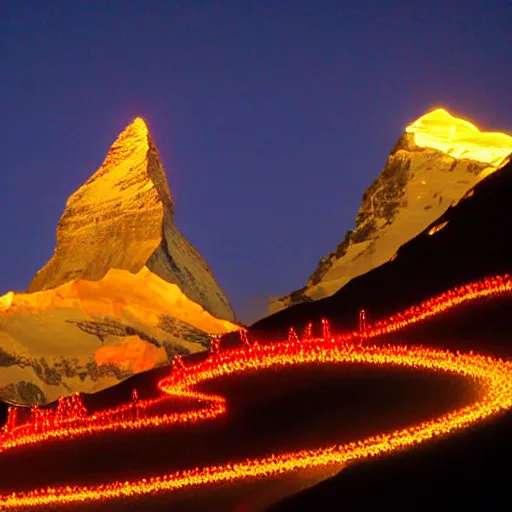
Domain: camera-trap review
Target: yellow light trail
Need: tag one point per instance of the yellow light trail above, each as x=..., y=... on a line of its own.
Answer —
x=492, y=375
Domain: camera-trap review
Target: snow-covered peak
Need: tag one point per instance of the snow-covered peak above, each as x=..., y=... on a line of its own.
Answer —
x=433, y=165
x=122, y=217
x=131, y=167
x=459, y=138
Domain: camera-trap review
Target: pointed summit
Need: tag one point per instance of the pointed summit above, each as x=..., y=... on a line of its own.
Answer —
x=136, y=133
x=132, y=162
x=137, y=127
x=139, y=124
x=122, y=217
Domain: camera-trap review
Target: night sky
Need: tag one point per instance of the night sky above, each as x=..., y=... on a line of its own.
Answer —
x=271, y=117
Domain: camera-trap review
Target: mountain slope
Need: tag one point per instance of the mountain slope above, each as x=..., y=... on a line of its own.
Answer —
x=124, y=291
x=122, y=218
x=88, y=335
x=471, y=240
x=433, y=164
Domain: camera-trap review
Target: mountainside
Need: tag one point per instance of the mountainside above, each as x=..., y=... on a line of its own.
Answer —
x=123, y=218
x=123, y=292
x=85, y=336
x=432, y=166
x=470, y=241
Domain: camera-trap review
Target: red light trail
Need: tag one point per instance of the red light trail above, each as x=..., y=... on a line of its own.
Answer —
x=70, y=419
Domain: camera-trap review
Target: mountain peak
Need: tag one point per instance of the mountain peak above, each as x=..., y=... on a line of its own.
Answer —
x=459, y=138
x=432, y=166
x=127, y=155
x=139, y=122
x=135, y=133
x=122, y=218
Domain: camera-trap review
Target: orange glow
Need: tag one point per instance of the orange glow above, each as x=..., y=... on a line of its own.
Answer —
x=130, y=141
x=132, y=353
x=70, y=419
x=459, y=138
x=437, y=228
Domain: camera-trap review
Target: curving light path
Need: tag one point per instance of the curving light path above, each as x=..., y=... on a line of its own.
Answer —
x=71, y=420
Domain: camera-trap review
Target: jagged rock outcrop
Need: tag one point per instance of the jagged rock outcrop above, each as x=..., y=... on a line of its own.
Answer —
x=123, y=292
x=85, y=336
x=122, y=218
x=432, y=166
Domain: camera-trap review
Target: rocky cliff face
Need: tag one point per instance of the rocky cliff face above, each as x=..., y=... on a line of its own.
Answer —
x=85, y=336
x=123, y=218
x=123, y=292
x=432, y=166
x=469, y=242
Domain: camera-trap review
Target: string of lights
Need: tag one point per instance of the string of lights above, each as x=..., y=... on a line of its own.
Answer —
x=70, y=419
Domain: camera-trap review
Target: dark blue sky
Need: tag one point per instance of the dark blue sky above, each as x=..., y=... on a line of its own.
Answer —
x=271, y=117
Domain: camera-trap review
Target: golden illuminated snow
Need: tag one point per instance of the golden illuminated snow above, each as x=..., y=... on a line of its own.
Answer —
x=459, y=138
x=40, y=324
x=122, y=217
x=437, y=179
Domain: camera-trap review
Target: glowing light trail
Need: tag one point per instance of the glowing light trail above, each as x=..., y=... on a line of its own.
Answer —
x=494, y=376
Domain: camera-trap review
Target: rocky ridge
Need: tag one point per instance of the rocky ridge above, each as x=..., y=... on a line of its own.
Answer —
x=123, y=218
x=435, y=162
x=124, y=291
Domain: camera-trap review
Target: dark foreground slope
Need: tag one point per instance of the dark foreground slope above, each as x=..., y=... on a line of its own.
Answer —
x=467, y=471
x=272, y=411
x=475, y=242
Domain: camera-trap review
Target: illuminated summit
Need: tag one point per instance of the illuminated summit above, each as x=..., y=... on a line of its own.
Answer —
x=122, y=218
x=124, y=291
x=459, y=138
x=433, y=165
